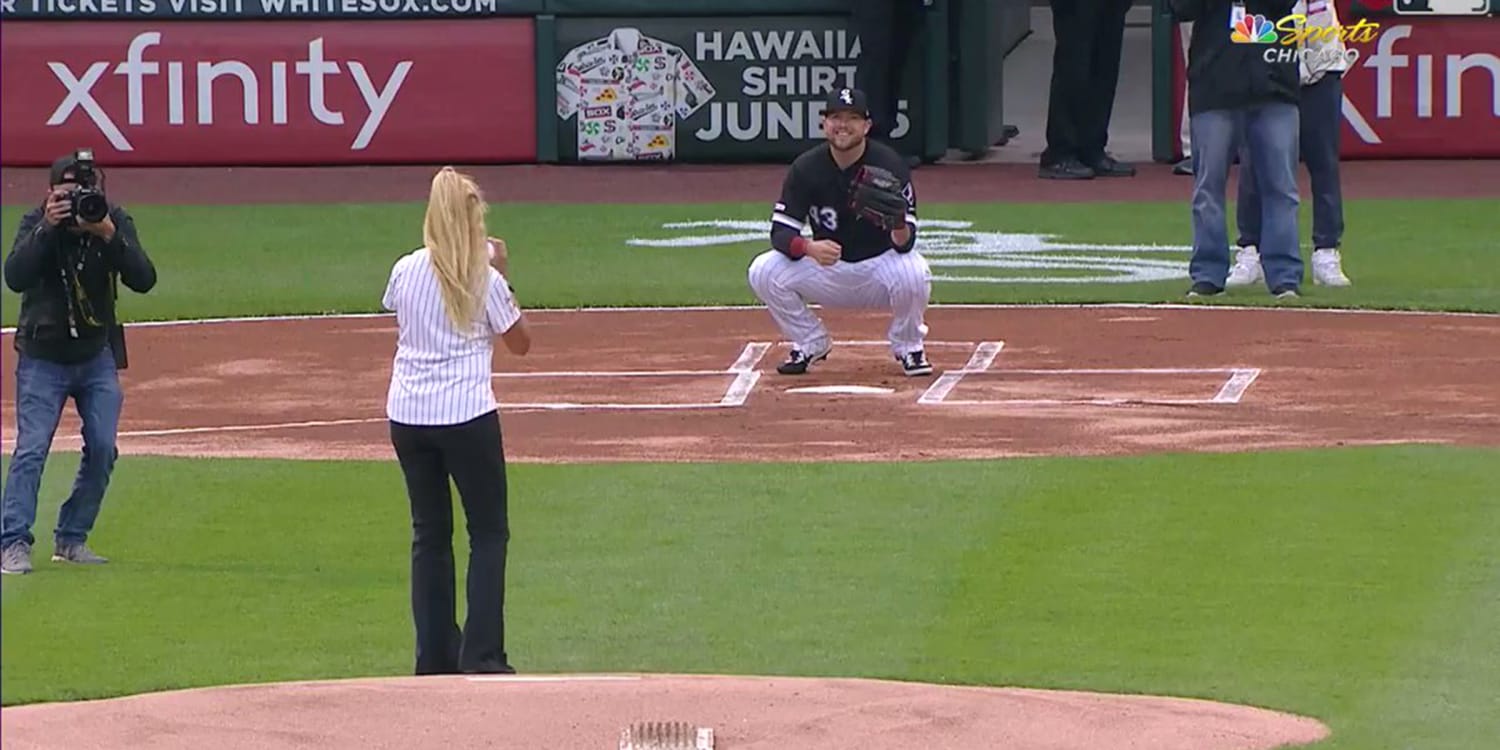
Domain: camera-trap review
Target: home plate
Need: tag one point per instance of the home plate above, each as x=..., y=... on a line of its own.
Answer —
x=855, y=390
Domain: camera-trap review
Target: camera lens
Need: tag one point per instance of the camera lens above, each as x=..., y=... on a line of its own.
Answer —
x=92, y=207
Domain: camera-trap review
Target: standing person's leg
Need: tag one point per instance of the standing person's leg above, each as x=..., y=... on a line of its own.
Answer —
x=907, y=22
x=1072, y=27
x=1322, y=117
x=99, y=399
x=41, y=392
x=1272, y=132
x=475, y=454
x=1213, y=150
x=1185, y=166
x=1104, y=80
x=434, y=603
x=1246, y=269
x=875, y=23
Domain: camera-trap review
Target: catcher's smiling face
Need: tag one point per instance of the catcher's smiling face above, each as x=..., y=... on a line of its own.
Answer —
x=844, y=129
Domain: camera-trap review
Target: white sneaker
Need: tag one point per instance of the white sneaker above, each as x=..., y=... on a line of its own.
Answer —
x=1328, y=268
x=1246, y=269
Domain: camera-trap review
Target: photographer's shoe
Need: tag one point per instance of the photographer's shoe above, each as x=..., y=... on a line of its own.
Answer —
x=16, y=559
x=77, y=553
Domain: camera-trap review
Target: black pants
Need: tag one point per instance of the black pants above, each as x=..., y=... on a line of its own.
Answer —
x=1085, y=73
x=887, y=30
x=472, y=454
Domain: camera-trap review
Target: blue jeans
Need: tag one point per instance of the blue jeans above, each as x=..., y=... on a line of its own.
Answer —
x=42, y=388
x=1270, y=133
x=1322, y=116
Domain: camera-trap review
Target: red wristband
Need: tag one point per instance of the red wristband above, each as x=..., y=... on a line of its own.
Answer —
x=799, y=247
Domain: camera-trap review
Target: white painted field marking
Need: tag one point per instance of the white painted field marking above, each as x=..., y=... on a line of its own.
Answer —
x=942, y=306
x=1230, y=392
x=746, y=376
x=750, y=357
x=1234, y=388
x=882, y=342
x=610, y=373
x=164, y=432
x=980, y=361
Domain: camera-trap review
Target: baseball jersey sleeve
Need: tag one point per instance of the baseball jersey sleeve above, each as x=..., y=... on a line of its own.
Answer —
x=392, y=287
x=789, y=215
x=501, y=310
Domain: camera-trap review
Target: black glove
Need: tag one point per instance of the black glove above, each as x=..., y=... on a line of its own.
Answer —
x=875, y=196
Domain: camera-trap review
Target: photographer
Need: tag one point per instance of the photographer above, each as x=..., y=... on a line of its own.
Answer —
x=67, y=257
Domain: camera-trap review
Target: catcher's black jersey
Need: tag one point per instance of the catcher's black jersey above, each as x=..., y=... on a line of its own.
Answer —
x=815, y=194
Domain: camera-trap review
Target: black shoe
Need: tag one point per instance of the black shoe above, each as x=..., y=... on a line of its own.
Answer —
x=798, y=363
x=1286, y=292
x=1067, y=169
x=1205, y=289
x=1184, y=167
x=915, y=363
x=1108, y=166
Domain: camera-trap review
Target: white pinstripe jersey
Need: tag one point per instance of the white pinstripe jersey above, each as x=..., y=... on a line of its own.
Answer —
x=441, y=376
x=816, y=193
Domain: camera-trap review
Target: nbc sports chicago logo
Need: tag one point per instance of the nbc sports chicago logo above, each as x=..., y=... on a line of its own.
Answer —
x=1300, y=41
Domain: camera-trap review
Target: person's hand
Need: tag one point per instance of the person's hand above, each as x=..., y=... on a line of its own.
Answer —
x=901, y=235
x=58, y=208
x=499, y=255
x=825, y=252
x=104, y=230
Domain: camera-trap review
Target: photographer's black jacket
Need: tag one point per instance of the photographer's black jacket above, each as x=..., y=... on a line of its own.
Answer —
x=64, y=276
x=1223, y=74
x=816, y=190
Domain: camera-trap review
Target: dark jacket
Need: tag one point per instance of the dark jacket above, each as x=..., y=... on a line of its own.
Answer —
x=1223, y=74
x=66, y=282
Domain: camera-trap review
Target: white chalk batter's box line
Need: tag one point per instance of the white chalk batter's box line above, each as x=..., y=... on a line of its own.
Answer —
x=1237, y=381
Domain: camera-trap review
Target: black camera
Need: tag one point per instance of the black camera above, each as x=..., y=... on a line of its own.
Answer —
x=87, y=197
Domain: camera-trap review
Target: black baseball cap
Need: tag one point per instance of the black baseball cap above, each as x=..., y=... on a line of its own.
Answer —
x=63, y=169
x=847, y=100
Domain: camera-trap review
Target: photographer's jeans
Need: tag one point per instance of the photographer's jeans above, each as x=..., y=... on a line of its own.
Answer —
x=42, y=389
x=1270, y=138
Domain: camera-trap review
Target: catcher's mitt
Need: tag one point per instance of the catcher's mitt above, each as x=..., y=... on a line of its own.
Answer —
x=875, y=195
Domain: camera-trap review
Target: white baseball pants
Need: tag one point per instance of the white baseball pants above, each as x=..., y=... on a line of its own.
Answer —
x=900, y=282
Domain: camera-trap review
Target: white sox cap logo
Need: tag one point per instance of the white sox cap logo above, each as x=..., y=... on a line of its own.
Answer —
x=846, y=96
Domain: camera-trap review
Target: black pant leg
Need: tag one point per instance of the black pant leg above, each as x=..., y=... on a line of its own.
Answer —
x=907, y=23
x=1104, y=77
x=875, y=23
x=1067, y=106
x=475, y=454
x=433, y=599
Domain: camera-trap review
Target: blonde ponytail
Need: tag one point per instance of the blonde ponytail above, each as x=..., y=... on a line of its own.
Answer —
x=455, y=235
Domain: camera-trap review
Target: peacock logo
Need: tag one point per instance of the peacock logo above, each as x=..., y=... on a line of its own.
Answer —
x=1253, y=29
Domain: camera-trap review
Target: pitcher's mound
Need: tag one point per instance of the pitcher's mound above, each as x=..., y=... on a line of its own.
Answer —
x=589, y=712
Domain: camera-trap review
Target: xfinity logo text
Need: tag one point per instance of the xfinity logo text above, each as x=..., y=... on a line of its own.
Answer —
x=140, y=73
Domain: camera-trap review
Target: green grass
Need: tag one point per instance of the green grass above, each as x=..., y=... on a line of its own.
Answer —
x=1359, y=586
x=274, y=259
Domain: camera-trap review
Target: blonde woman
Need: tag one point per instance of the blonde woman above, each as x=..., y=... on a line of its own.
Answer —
x=451, y=298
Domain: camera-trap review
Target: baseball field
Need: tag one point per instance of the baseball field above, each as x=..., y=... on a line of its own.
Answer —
x=1110, y=516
